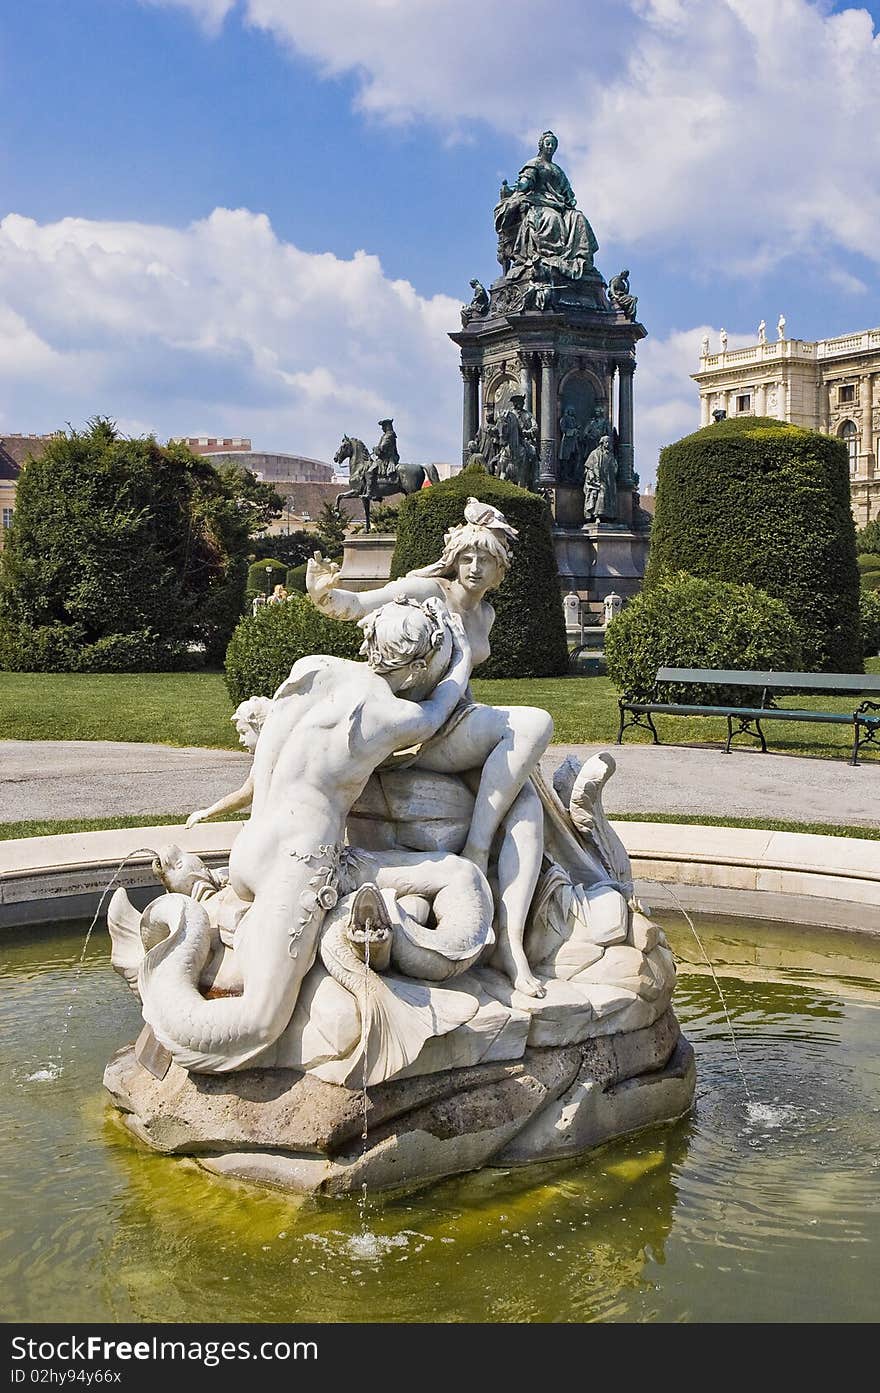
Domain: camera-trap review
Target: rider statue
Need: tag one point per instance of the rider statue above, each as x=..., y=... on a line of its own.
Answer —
x=384, y=462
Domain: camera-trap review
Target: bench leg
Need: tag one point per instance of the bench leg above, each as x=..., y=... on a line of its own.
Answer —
x=756, y=734
x=855, y=751
x=642, y=720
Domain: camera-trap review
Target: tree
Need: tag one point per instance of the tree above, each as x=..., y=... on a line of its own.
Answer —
x=868, y=539
x=123, y=554
x=754, y=501
x=528, y=637
x=330, y=531
x=293, y=548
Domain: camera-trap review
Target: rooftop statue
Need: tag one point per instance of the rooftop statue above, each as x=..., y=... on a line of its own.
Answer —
x=479, y=304
x=620, y=296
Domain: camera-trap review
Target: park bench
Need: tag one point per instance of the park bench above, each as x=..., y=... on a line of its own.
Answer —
x=865, y=719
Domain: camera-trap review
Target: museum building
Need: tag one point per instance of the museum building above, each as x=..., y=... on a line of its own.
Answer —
x=831, y=385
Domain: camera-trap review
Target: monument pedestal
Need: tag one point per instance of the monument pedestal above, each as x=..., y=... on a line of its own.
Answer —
x=568, y=505
x=366, y=561
x=601, y=557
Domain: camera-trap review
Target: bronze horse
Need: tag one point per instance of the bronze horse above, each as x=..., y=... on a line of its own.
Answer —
x=409, y=477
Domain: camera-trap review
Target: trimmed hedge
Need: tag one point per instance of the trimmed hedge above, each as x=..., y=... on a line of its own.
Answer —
x=296, y=578
x=683, y=621
x=528, y=637
x=755, y=501
x=265, y=646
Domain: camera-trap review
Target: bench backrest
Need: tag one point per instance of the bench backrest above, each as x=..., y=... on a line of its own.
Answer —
x=802, y=681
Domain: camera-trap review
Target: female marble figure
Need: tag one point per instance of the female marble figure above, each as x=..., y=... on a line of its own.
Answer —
x=538, y=218
x=504, y=744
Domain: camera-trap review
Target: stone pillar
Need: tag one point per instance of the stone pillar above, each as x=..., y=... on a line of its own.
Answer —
x=527, y=380
x=470, y=416
x=761, y=399
x=866, y=393
x=548, y=419
x=705, y=414
x=626, y=464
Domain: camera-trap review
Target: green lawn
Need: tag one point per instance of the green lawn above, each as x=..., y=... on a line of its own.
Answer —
x=194, y=709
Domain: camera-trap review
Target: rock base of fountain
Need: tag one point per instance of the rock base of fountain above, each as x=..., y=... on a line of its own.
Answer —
x=292, y=1131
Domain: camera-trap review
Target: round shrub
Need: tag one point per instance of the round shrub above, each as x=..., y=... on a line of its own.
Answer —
x=870, y=580
x=265, y=647
x=755, y=501
x=683, y=621
x=528, y=636
x=869, y=611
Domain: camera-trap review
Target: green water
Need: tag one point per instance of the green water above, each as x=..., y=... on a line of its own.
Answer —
x=714, y=1218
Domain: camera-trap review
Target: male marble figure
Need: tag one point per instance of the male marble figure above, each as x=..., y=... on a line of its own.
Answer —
x=331, y=724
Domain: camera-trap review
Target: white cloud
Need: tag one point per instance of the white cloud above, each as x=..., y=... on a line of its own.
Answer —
x=220, y=327
x=739, y=130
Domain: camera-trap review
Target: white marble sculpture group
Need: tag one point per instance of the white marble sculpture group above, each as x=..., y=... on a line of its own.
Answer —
x=408, y=900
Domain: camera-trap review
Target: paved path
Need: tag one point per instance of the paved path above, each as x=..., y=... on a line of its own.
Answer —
x=71, y=779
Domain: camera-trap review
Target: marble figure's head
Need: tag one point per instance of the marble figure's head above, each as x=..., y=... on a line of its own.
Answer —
x=476, y=552
x=409, y=644
x=248, y=719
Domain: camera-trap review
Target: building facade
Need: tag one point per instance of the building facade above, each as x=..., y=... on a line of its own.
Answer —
x=831, y=385
x=15, y=450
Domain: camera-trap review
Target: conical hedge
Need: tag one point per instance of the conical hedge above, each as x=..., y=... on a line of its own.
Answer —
x=757, y=502
x=528, y=637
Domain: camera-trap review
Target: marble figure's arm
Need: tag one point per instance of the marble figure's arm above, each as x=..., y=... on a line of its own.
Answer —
x=426, y=717
x=322, y=583
x=232, y=803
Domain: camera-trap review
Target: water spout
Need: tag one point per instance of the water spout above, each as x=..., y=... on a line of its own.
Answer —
x=752, y=1108
x=56, y=1066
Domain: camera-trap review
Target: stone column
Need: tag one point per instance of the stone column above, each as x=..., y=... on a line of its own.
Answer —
x=470, y=417
x=761, y=399
x=866, y=393
x=626, y=464
x=705, y=414
x=548, y=419
x=527, y=380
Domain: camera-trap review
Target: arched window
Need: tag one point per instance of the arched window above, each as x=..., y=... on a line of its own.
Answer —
x=849, y=434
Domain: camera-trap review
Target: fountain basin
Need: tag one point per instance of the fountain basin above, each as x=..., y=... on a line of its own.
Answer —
x=720, y=1216
x=833, y=882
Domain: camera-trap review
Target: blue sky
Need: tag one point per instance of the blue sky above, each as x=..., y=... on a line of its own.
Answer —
x=259, y=216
